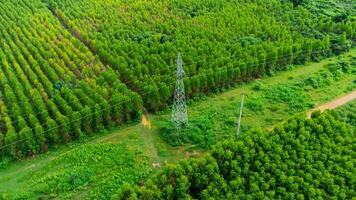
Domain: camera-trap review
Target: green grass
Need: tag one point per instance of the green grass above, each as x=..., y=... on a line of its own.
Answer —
x=141, y=147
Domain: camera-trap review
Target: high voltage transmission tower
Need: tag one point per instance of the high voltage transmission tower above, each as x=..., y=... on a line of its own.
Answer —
x=179, y=112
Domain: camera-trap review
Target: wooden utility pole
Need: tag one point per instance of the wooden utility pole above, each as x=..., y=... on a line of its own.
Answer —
x=239, y=120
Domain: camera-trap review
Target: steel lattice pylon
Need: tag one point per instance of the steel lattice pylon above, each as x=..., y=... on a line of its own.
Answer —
x=179, y=112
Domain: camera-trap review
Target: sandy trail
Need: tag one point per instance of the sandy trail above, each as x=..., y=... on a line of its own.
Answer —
x=145, y=121
x=335, y=103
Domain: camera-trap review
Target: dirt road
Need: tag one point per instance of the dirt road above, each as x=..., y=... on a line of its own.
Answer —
x=335, y=103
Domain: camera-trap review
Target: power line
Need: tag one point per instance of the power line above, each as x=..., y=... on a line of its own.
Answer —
x=141, y=89
x=112, y=100
x=137, y=90
x=171, y=84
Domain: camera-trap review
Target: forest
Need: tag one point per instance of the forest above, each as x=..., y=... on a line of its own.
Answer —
x=87, y=89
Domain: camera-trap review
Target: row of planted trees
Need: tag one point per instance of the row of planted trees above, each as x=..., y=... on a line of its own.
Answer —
x=52, y=88
x=221, y=42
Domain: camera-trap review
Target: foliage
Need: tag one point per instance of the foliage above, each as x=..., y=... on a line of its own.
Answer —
x=255, y=104
x=347, y=113
x=197, y=132
x=304, y=158
x=297, y=2
x=338, y=10
x=97, y=169
x=259, y=86
x=292, y=95
x=332, y=72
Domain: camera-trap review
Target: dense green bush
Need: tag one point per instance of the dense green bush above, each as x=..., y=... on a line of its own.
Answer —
x=302, y=159
x=197, y=132
x=332, y=72
x=290, y=94
x=259, y=86
x=255, y=104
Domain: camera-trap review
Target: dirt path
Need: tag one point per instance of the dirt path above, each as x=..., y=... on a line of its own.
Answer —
x=335, y=103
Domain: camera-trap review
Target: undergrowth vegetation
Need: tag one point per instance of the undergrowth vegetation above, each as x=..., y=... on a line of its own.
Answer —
x=96, y=170
x=333, y=72
x=198, y=131
x=347, y=113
